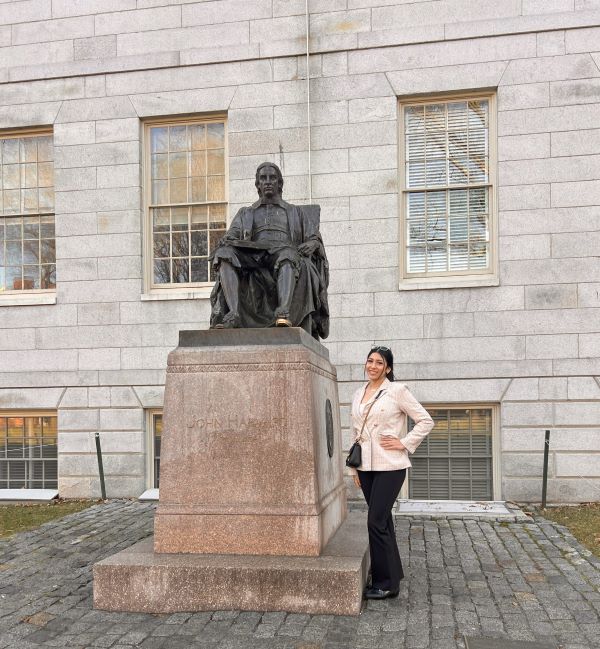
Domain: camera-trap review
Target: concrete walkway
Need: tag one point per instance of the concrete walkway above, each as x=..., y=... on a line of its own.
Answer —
x=523, y=581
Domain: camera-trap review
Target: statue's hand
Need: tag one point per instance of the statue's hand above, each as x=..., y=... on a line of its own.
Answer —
x=225, y=239
x=308, y=248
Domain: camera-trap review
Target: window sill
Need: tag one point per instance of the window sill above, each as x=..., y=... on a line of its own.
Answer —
x=150, y=495
x=458, y=281
x=28, y=495
x=190, y=294
x=27, y=299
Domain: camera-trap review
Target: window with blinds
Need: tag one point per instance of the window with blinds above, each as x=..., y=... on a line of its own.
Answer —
x=454, y=462
x=447, y=187
x=28, y=451
x=186, y=189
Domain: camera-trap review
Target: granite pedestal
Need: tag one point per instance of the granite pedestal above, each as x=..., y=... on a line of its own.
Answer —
x=252, y=499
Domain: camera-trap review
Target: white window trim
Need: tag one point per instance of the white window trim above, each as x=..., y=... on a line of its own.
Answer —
x=35, y=296
x=496, y=448
x=28, y=298
x=173, y=291
x=450, y=279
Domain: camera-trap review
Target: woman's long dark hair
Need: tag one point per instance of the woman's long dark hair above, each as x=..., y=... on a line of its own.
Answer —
x=388, y=357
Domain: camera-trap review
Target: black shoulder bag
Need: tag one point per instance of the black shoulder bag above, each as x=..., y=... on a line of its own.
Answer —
x=354, y=458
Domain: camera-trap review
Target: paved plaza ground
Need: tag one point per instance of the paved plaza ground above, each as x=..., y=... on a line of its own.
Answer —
x=522, y=581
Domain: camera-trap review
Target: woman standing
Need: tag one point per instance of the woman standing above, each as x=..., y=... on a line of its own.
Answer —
x=380, y=410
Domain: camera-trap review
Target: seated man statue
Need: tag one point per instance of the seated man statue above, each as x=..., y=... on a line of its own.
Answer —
x=271, y=268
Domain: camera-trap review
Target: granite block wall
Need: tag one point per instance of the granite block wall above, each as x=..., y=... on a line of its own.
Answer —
x=94, y=70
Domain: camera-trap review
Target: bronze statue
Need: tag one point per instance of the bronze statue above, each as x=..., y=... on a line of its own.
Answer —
x=271, y=267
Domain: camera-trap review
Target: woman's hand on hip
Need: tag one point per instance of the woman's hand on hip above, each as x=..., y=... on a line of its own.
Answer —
x=356, y=480
x=390, y=443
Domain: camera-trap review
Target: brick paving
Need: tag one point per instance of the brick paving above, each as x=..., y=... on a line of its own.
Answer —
x=521, y=581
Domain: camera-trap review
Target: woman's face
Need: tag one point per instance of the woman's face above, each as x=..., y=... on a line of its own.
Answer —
x=375, y=366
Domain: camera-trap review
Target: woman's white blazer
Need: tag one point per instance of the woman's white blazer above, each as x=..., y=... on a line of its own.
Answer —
x=388, y=416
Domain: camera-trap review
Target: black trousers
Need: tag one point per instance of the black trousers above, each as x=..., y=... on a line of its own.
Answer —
x=381, y=488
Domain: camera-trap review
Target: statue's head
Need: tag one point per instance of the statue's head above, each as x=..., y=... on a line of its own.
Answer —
x=267, y=174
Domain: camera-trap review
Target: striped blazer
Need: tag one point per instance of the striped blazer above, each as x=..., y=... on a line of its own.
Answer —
x=388, y=416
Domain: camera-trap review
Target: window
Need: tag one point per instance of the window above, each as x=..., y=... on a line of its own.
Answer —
x=455, y=460
x=27, y=251
x=448, y=198
x=154, y=427
x=28, y=451
x=186, y=189
x=157, y=425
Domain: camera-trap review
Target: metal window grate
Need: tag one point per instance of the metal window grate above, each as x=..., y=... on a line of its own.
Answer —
x=157, y=426
x=28, y=452
x=454, y=462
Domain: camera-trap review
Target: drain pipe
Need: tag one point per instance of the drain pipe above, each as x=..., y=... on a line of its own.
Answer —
x=308, y=103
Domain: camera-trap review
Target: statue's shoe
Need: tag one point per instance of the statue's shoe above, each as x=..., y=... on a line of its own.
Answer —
x=283, y=322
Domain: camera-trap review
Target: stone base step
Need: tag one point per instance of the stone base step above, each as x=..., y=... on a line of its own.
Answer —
x=140, y=580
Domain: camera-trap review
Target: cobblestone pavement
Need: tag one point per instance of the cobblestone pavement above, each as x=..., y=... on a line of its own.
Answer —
x=528, y=581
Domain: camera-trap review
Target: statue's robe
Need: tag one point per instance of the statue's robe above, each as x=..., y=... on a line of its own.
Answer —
x=258, y=287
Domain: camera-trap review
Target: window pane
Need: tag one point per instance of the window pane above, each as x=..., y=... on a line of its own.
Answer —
x=178, y=138
x=215, y=136
x=198, y=189
x=198, y=163
x=31, y=252
x=160, y=166
x=162, y=245
x=178, y=190
x=161, y=220
x=180, y=269
x=200, y=270
x=162, y=271
x=216, y=161
x=181, y=244
x=159, y=139
x=48, y=279
x=47, y=227
x=215, y=188
x=200, y=217
x=199, y=244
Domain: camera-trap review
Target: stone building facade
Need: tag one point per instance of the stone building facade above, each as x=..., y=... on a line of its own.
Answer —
x=454, y=146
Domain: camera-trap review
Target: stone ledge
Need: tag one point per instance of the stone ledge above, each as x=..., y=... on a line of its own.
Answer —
x=493, y=510
x=139, y=580
x=273, y=336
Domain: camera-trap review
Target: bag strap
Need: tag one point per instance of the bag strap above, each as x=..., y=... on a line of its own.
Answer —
x=359, y=438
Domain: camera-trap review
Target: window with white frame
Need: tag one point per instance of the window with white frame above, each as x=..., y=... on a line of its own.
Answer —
x=447, y=183
x=186, y=198
x=27, y=244
x=28, y=450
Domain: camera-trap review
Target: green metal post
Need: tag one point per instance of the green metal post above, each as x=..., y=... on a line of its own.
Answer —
x=545, y=475
x=100, y=467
